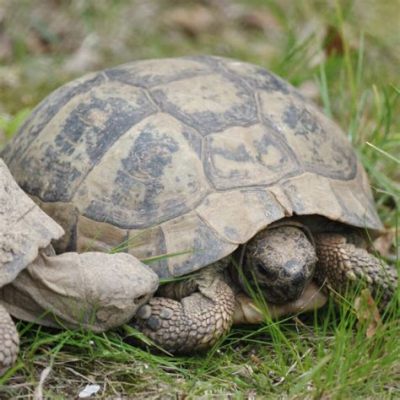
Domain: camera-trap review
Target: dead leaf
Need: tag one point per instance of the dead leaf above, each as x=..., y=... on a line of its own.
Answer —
x=333, y=42
x=384, y=243
x=245, y=371
x=35, y=44
x=192, y=20
x=6, y=50
x=367, y=312
x=88, y=391
x=85, y=58
x=251, y=394
x=259, y=20
x=38, y=394
x=255, y=360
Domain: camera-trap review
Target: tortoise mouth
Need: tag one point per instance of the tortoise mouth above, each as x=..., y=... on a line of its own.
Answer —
x=280, y=293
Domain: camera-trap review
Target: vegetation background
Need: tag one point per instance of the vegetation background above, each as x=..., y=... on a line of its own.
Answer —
x=345, y=55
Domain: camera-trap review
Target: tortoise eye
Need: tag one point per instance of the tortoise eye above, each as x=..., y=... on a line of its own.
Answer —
x=260, y=267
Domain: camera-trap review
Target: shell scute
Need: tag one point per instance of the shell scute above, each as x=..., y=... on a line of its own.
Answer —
x=314, y=140
x=47, y=110
x=152, y=172
x=256, y=77
x=247, y=156
x=208, y=103
x=75, y=140
x=149, y=73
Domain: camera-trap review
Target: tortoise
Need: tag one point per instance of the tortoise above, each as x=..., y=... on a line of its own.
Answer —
x=76, y=290
x=188, y=161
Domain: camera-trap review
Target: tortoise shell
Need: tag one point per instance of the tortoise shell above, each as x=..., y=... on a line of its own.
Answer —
x=24, y=228
x=185, y=156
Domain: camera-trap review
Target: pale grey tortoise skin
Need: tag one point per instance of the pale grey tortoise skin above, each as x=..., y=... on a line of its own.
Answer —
x=93, y=290
x=193, y=158
x=9, y=341
x=19, y=244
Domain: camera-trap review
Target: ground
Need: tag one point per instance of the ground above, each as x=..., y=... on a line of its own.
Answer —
x=345, y=56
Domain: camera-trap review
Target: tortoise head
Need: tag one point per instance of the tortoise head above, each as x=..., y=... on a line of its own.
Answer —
x=280, y=261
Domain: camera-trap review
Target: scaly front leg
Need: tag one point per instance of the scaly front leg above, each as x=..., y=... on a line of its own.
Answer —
x=195, y=322
x=341, y=264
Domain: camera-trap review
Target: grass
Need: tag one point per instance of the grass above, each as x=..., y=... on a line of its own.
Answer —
x=289, y=359
x=327, y=355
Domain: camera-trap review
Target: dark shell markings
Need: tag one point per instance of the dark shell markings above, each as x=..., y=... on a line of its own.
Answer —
x=188, y=155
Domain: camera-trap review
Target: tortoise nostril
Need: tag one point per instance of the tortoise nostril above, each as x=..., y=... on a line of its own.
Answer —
x=299, y=279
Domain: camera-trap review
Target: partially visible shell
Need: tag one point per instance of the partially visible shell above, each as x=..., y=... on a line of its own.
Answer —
x=24, y=228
